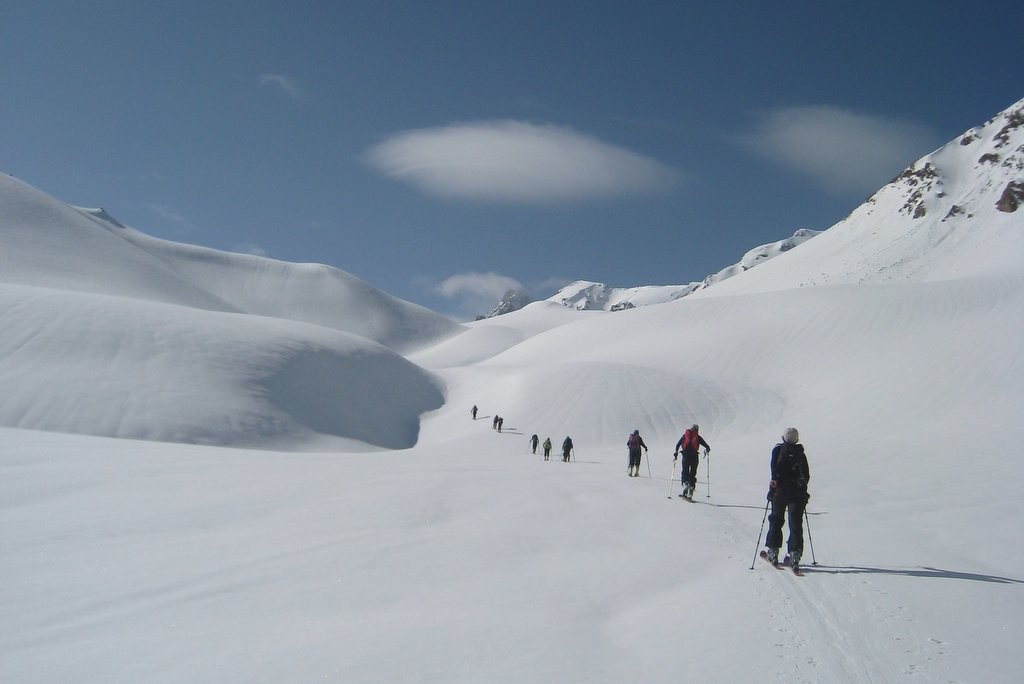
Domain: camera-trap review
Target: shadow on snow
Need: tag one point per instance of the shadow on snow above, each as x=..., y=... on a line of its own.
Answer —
x=908, y=572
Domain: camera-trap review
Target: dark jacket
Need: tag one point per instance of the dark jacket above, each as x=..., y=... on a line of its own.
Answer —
x=789, y=467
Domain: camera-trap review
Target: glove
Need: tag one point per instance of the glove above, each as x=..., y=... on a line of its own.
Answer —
x=773, y=485
x=675, y=456
x=706, y=452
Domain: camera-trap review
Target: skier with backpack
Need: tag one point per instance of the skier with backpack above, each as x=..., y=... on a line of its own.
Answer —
x=689, y=444
x=566, y=449
x=635, y=442
x=547, y=448
x=787, y=491
x=533, y=442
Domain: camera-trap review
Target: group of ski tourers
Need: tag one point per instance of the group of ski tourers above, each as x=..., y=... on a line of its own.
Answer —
x=787, y=488
x=567, y=447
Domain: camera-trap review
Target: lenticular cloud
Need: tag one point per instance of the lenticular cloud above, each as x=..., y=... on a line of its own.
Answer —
x=844, y=151
x=511, y=161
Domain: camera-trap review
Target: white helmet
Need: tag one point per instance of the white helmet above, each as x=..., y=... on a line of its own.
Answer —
x=791, y=435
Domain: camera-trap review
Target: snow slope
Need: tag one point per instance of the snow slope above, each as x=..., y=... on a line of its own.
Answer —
x=49, y=244
x=107, y=331
x=892, y=343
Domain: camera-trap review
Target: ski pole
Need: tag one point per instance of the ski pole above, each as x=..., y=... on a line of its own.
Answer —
x=707, y=461
x=672, y=480
x=807, y=518
x=649, y=476
x=766, y=503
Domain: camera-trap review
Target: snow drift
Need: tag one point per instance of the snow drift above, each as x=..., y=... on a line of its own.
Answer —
x=107, y=331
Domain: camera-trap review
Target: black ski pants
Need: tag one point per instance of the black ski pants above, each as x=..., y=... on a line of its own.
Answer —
x=690, y=461
x=794, y=501
x=634, y=457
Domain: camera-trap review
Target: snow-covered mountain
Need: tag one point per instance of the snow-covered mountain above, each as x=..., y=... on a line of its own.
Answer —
x=454, y=554
x=513, y=300
x=47, y=243
x=107, y=331
x=949, y=215
x=584, y=295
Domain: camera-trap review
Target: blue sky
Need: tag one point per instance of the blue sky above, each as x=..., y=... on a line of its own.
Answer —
x=443, y=151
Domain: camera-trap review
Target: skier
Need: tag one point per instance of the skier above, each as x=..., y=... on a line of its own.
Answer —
x=788, y=492
x=547, y=448
x=689, y=443
x=473, y=411
x=566, y=449
x=501, y=421
x=494, y=422
x=533, y=442
x=634, y=442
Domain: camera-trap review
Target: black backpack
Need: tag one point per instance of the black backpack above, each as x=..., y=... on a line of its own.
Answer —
x=789, y=464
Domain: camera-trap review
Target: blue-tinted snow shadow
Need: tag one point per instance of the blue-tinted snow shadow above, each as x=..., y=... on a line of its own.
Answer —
x=934, y=573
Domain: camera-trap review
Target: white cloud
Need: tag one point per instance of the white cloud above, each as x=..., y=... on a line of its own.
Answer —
x=476, y=293
x=841, y=149
x=281, y=84
x=512, y=161
x=490, y=285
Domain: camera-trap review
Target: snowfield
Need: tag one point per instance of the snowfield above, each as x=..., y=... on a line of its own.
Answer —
x=223, y=468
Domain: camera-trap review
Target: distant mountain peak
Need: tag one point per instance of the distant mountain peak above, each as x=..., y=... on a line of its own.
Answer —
x=514, y=299
x=960, y=175
x=585, y=295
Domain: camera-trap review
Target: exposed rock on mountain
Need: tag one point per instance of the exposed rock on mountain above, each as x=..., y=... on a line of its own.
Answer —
x=512, y=300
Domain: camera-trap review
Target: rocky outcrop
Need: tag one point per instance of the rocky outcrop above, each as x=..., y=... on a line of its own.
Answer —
x=1012, y=197
x=512, y=300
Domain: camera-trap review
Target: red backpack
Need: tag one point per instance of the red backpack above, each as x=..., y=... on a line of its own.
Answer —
x=690, y=440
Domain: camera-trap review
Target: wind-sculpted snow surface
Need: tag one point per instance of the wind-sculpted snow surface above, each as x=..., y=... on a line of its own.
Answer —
x=102, y=365
x=46, y=243
x=107, y=331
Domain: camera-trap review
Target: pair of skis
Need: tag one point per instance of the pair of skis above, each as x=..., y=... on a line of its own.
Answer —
x=783, y=565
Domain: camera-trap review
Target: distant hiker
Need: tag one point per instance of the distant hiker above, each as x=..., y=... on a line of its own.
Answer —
x=635, y=442
x=501, y=421
x=566, y=449
x=788, y=492
x=689, y=444
x=534, y=441
x=494, y=422
x=473, y=411
x=547, y=448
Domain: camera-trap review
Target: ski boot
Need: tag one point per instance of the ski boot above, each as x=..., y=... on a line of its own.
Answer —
x=793, y=559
